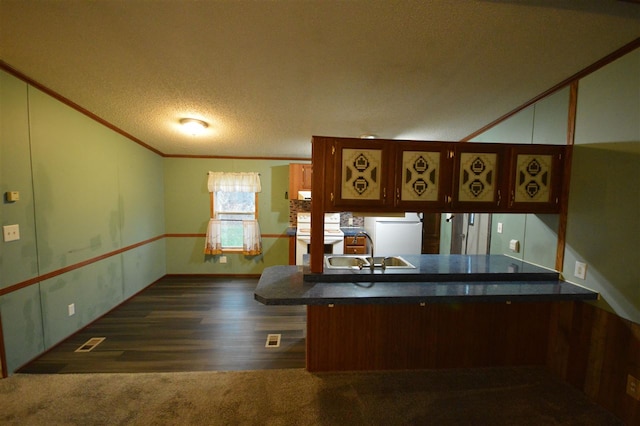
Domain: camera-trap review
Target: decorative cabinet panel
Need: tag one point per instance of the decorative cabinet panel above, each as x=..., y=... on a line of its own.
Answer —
x=361, y=173
x=300, y=176
x=479, y=183
x=388, y=175
x=536, y=178
x=423, y=176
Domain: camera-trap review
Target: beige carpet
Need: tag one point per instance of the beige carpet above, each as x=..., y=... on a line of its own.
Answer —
x=505, y=396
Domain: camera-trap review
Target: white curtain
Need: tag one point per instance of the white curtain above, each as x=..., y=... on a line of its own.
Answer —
x=252, y=240
x=234, y=182
x=213, y=241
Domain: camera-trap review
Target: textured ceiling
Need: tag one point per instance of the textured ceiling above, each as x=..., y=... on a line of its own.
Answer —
x=267, y=75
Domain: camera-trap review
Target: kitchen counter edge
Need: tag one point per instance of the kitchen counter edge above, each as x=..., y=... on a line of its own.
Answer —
x=285, y=285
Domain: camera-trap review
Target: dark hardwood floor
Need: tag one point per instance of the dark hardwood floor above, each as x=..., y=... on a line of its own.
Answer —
x=185, y=324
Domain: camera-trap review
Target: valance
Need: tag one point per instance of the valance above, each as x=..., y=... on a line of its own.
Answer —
x=234, y=182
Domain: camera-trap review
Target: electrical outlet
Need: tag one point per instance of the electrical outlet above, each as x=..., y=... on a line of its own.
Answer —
x=633, y=387
x=11, y=232
x=499, y=228
x=514, y=245
x=223, y=259
x=580, y=270
x=71, y=309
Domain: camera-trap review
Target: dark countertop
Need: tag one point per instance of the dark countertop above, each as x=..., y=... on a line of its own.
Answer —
x=486, y=282
x=436, y=267
x=349, y=231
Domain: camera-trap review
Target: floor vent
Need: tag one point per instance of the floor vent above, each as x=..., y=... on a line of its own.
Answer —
x=90, y=344
x=273, y=341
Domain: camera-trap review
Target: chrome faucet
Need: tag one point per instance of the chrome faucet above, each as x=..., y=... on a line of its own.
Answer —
x=355, y=239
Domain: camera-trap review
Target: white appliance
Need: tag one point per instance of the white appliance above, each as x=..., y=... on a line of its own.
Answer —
x=393, y=236
x=333, y=235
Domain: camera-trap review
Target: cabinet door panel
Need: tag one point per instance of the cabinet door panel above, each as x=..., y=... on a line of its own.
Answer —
x=479, y=177
x=423, y=175
x=361, y=174
x=533, y=178
x=361, y=179
x=478, y=172
x=536, y=178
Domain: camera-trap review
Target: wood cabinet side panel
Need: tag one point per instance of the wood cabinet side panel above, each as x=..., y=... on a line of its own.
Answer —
x=388, y=337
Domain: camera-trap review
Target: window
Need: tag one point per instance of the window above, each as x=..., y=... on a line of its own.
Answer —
x=233, y=222
x=231, y=208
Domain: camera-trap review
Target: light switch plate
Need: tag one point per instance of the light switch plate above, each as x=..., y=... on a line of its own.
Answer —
x=11, y=232
x=580, y=270
x=499, y=228
x=514, y=245
x=12, y=196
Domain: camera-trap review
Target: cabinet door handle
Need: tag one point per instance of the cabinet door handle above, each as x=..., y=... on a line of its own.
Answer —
x=513, y=198
x=499, y=197
x=397, y=193
x=384, y=193
x=331, y=197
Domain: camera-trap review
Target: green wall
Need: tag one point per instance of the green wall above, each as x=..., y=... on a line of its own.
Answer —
x=187, y=212
x=85, y=193
x=604, y=202
x=544, y=122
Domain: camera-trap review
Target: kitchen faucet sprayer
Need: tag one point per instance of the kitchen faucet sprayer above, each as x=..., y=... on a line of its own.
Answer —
x=364, y=233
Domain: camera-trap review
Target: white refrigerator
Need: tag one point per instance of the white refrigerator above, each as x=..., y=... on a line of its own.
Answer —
x=393, y=236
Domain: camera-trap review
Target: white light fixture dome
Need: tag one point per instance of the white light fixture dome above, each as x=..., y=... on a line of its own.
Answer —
x=193, y=126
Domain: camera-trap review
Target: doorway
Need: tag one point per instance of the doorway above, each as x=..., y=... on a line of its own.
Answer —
x=471, y=233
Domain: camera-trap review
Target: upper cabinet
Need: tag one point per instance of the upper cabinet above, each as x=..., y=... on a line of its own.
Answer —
x=391, y=175
x=362, y=170
x=422, y=175
x=300, y=176
x=535, y=178
x=479, y=177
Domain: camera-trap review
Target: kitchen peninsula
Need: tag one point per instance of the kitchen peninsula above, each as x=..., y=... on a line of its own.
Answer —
x=448, y=311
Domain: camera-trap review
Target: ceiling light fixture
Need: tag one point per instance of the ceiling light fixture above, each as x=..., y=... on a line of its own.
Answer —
x=193, y=126
x=367, y=136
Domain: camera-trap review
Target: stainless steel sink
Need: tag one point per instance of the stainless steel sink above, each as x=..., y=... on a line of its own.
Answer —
x=392, y=262
x=363, y=262
x=346, y=262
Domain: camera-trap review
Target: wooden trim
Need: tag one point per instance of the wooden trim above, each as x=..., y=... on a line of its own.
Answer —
x=627, y=48
x=573, y=110
x=3, y=354
x=204, y=235
x=213, y=275
x=78, y=265
x=566, y=178
x=229, y=157
x=8, y=68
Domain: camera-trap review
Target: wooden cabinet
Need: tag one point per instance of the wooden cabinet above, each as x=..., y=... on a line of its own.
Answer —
x=390, y=175
x=479, y=177
x=535, y=178
x=422, y=175
x=361, y=174
x=300, y=176
x=357, y=245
